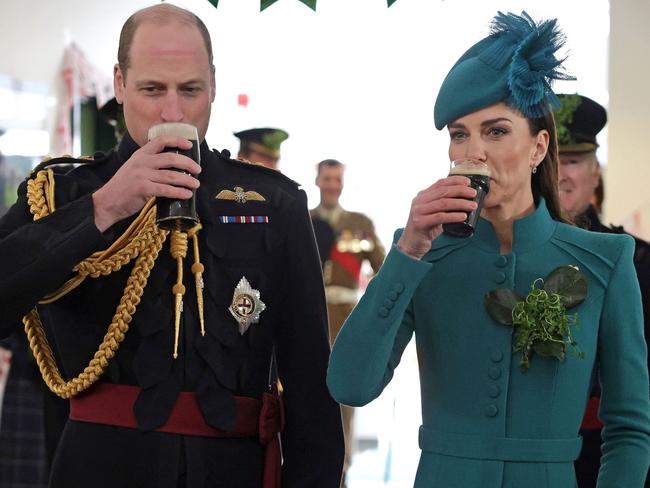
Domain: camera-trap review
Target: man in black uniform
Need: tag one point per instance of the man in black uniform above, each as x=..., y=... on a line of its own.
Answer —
x=579, y=119
x=179, y=389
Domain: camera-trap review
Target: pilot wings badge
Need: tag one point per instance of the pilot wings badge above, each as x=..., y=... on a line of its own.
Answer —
x=246, y=305
x=240, y=196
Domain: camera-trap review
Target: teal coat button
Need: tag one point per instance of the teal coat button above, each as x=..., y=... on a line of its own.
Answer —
x=496, y=356
x=491, y=411
x=494, y=391
x=494, y=373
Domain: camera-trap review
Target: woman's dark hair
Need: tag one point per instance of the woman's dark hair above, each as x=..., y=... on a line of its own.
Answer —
x=545, y=180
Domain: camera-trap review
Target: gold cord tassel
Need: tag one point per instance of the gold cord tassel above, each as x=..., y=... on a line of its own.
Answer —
x=197, y=270
x=178, y=248
x=142, y=241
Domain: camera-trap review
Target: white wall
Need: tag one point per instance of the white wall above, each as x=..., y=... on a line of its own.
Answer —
x=627, y=179
x=354, y=81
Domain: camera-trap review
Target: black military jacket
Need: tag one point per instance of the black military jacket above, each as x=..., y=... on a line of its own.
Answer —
x=278, y=258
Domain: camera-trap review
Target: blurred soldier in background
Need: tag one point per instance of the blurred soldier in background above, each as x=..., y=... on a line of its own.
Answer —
x=579, y=119
x=261, y=145
x=354, y=242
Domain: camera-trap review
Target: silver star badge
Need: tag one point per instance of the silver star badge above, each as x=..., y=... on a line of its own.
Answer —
x=246, y=305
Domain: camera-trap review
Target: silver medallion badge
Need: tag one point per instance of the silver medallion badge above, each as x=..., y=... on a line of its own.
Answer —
x=246, y=305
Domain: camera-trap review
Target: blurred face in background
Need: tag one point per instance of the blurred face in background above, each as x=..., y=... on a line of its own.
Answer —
x=330, y=183
x=263, y=159
x=578, y=177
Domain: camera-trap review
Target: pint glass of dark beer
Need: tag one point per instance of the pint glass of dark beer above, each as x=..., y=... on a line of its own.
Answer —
x=174, y=214
x=479, y=176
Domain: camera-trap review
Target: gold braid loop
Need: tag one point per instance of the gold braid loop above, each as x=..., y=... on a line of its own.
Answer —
x=142, y=239
x=40, y=194
x=178, y=249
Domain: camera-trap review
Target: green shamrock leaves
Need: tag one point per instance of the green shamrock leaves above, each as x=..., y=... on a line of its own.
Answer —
x=541, y=324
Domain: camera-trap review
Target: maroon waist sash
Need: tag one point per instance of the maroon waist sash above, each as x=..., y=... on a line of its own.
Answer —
x=112, y=404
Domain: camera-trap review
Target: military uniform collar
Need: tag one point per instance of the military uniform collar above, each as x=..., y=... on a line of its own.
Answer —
x=126, y=148
x=590, y=220
x=529, y=232
x=330, y=216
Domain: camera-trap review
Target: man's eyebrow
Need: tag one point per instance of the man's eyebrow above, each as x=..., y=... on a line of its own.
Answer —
x=197, y=81
x=148, y=83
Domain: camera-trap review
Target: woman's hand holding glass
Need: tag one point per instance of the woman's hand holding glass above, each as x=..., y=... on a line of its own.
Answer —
x=447, y=200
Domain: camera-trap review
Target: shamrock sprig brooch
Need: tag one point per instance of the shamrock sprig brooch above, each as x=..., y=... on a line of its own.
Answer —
x=541, y=323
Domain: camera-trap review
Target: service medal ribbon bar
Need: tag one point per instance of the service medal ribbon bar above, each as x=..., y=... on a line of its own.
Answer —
x=244, y=219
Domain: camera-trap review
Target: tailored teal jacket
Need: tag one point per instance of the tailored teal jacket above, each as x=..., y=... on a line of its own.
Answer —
x=486, y=423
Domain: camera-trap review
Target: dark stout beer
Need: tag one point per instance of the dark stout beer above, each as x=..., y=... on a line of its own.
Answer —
x=174, y=214
x=479, y=176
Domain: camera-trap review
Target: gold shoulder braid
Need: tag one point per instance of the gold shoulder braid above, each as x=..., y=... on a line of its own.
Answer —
x=142, y=240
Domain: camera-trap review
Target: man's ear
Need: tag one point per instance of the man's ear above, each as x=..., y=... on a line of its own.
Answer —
x=118, y=83
x=213, y=85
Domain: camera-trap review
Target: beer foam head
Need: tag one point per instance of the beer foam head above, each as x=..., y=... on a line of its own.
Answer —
x=179, y=129
x=469, y=167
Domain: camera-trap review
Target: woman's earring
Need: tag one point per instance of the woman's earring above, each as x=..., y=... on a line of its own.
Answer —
x=534, y=170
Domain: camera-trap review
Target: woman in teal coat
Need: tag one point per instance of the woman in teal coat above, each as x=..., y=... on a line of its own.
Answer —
x=493, y=417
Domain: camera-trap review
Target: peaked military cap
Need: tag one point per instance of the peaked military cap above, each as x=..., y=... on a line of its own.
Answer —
x=514, y=64
x=264, y=140
x=578, y=120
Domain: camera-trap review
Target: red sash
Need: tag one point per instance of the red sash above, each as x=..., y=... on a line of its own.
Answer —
x=347, y=261
x=111, y=404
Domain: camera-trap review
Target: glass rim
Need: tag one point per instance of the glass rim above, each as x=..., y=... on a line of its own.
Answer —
x=472, y=165
x=181, y=129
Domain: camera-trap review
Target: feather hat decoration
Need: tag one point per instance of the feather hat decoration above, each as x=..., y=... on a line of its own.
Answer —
x=515, y=64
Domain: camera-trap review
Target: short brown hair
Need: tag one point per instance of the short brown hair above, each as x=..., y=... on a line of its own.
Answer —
x=330, y=163
x=161, y=14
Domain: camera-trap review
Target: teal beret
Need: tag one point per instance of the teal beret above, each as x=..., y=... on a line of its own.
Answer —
x=515, y=64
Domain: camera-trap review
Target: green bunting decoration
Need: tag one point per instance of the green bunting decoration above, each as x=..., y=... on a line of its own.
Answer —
x=264, y=4
x=267, y=3
x=310, y=3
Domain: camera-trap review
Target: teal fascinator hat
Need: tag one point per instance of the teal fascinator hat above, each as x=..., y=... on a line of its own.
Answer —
x=514, y=64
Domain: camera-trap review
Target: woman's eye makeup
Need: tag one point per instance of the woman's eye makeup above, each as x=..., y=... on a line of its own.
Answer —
x=497, y=131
